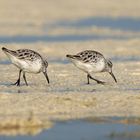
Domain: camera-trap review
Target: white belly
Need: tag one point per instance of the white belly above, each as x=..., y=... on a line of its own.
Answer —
x=26, y=65
x=90, y=67
x=31, y=67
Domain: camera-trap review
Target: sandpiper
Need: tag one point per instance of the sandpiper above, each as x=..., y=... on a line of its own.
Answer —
x=27, y=61
x=91, y=61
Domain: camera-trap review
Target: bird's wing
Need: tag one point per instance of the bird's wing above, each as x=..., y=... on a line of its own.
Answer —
x=27, y=54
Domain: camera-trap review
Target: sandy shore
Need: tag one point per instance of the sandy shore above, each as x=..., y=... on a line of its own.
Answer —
x=68, y=95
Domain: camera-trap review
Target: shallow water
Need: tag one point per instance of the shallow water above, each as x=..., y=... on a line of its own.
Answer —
x=123, y=24
x=59, y=38
x=84, y=130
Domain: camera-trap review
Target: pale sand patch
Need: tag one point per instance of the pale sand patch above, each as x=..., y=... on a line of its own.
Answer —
x=70, y=106
x=28, y=17
x=47, y=10
x=19, y=126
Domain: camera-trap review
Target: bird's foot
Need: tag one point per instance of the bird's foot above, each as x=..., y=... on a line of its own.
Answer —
x=101, y=82
x=17, y=83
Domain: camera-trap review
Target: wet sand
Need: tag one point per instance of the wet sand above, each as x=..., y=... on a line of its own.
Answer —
x=68, y=96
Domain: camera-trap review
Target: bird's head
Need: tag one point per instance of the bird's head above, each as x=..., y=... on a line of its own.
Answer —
x=109, y=69
x=45, y=65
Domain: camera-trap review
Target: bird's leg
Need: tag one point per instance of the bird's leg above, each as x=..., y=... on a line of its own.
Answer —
x=24, y=77
x=88, y=79
x=98, y=81
x=18, y=81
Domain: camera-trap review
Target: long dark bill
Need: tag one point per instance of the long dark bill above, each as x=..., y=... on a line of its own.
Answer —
x=69, y=56
x=73, y=56
x=45, y=73
x=113, y=76
x=8, y=51
x=4, y=49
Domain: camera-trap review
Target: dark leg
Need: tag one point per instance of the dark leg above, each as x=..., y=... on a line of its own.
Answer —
x=88, y=79
x=98, y=81
x=24, y=77
x=18, y=81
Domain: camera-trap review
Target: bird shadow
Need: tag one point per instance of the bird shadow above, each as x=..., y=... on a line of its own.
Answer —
x=16, y=90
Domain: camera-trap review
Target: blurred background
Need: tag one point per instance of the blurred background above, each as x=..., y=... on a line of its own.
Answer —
x=63, y=20
x=55, y=28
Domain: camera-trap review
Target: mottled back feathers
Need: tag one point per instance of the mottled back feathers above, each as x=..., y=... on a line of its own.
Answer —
x=88, y=56
x=26, y=54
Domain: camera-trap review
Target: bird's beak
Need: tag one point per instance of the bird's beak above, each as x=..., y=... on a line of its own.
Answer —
x=45, y=73
x=113, y=76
